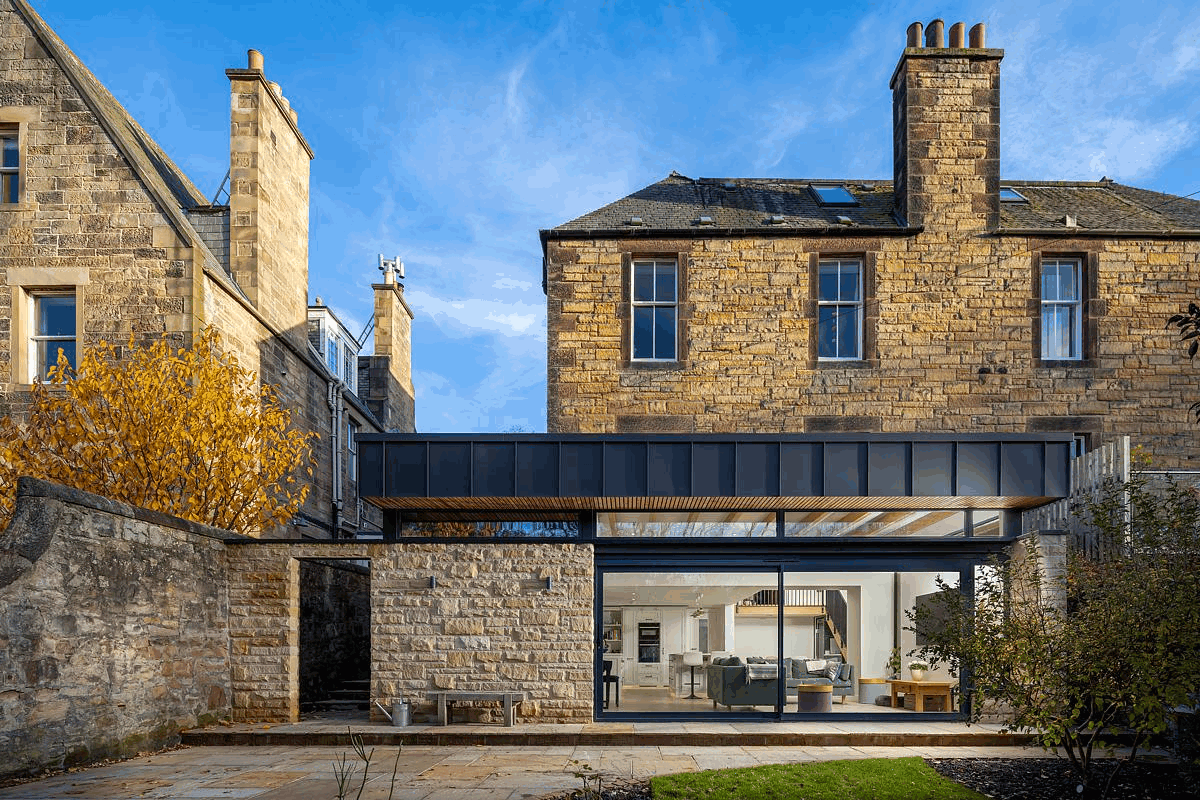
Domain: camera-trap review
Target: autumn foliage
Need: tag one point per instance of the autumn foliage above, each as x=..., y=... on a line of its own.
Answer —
x=185, y=432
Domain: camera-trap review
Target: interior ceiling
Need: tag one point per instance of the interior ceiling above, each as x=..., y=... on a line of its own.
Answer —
x=704, y=590
x=706, y=503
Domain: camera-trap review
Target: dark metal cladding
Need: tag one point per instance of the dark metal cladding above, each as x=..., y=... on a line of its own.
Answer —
x=699, y=471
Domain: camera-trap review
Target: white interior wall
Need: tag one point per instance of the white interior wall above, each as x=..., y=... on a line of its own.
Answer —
x=911, y=585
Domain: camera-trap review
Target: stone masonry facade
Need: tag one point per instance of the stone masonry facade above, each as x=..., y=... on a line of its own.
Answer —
x=953, y=337
x=113, y=629
x=951, y=294
x=489, y=624
x=104, y=214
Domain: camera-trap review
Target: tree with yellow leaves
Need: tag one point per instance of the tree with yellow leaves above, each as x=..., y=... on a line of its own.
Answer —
x=185, y=432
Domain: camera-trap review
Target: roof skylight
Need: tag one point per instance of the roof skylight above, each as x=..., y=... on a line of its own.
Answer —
x=833, y=195
x=1008, y=195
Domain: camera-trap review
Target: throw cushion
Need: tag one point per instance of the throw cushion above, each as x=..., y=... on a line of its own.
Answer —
x=733, y=661
x=845, y=673
x=815, y=666
x=832, y=669
x=756, y=660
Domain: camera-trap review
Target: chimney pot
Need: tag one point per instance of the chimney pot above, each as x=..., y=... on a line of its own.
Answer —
x=254, y=60
x=958, y=35
x=935, y=34
x=914, y=34
x=978, y=36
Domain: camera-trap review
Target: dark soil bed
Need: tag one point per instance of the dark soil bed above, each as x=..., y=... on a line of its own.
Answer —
x=1052, y=778
x=1018, y=779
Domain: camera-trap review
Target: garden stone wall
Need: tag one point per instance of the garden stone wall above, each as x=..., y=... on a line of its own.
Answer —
x=486, y=621
x=113, y=632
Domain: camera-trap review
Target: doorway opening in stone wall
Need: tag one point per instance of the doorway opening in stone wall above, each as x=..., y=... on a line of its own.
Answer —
x=335, y=636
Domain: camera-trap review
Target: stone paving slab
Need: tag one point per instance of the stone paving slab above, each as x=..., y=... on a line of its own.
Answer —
x=428, y=773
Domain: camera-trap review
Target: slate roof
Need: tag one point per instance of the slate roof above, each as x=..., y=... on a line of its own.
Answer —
x=771, y=205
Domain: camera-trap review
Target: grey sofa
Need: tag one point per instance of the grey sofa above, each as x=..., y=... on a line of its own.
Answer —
x=755, y=682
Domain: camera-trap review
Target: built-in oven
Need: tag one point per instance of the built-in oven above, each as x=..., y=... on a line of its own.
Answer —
x=649, y=645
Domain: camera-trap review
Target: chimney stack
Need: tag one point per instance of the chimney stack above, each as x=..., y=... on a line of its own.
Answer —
x=268, y=199
x=946, y=129
x=388, y=388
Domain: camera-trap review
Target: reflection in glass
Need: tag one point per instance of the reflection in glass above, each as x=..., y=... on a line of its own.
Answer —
x=643, y=281
x=664, y=332
x=490, y=525
x=986, y=523
x=939, y=524
x=686, y=524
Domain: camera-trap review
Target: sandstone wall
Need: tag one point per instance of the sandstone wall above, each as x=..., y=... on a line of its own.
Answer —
x=951, y=341
x=84, y=220
x=113, y=632
x=489, y=624
x=268, y=202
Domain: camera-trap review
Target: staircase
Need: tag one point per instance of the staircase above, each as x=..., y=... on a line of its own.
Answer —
x=352, y=695
x=831, y=624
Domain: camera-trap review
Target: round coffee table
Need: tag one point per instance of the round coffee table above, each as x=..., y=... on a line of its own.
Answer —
x=814, y=697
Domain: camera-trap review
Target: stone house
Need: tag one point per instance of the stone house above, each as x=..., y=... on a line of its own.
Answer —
x=711, y=323
x=783, y=414
x=944, y=299
x=103, y=237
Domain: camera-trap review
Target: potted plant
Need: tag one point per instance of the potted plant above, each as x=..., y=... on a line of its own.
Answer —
x=894, y=663
x=917, y=670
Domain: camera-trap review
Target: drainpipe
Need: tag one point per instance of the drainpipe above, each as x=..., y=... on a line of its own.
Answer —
x=335, y=401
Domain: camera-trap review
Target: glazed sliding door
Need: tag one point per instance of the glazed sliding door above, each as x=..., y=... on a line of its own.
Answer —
x=688, y=642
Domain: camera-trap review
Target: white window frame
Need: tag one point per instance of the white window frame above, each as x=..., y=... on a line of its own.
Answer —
x=349, y=362
x=856, y=307
x=1060, y=308
x=13, y=132
x=352, y=428
x=655, y=303
x=36, y=339
x=333, y=353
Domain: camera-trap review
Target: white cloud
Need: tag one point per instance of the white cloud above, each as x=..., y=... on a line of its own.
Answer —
x=1129, y=149
x=471, y=315
x=1110, y=104
x=509, y=283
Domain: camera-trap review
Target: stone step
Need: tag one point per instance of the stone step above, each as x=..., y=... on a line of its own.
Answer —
x=597, y=735
x=352, y=704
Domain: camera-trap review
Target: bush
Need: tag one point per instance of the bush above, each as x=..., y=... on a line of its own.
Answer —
x=185, y=432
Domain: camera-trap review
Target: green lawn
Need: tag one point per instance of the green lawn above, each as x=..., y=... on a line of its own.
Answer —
x=865, y=779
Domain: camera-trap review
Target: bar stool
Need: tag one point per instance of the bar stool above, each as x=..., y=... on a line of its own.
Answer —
x=693, y=659
x=610, y=680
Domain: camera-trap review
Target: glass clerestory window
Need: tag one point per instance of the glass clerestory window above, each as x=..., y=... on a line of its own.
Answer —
x=1062, y=310
x=53, y=330
x=655, y=310
x=489, y=525
x=839, y=310
x=10, y=165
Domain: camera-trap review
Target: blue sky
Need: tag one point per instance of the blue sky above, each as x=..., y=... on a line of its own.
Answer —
x=450, y=133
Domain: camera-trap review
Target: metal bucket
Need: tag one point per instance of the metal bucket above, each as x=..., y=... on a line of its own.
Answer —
x=401, y=714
